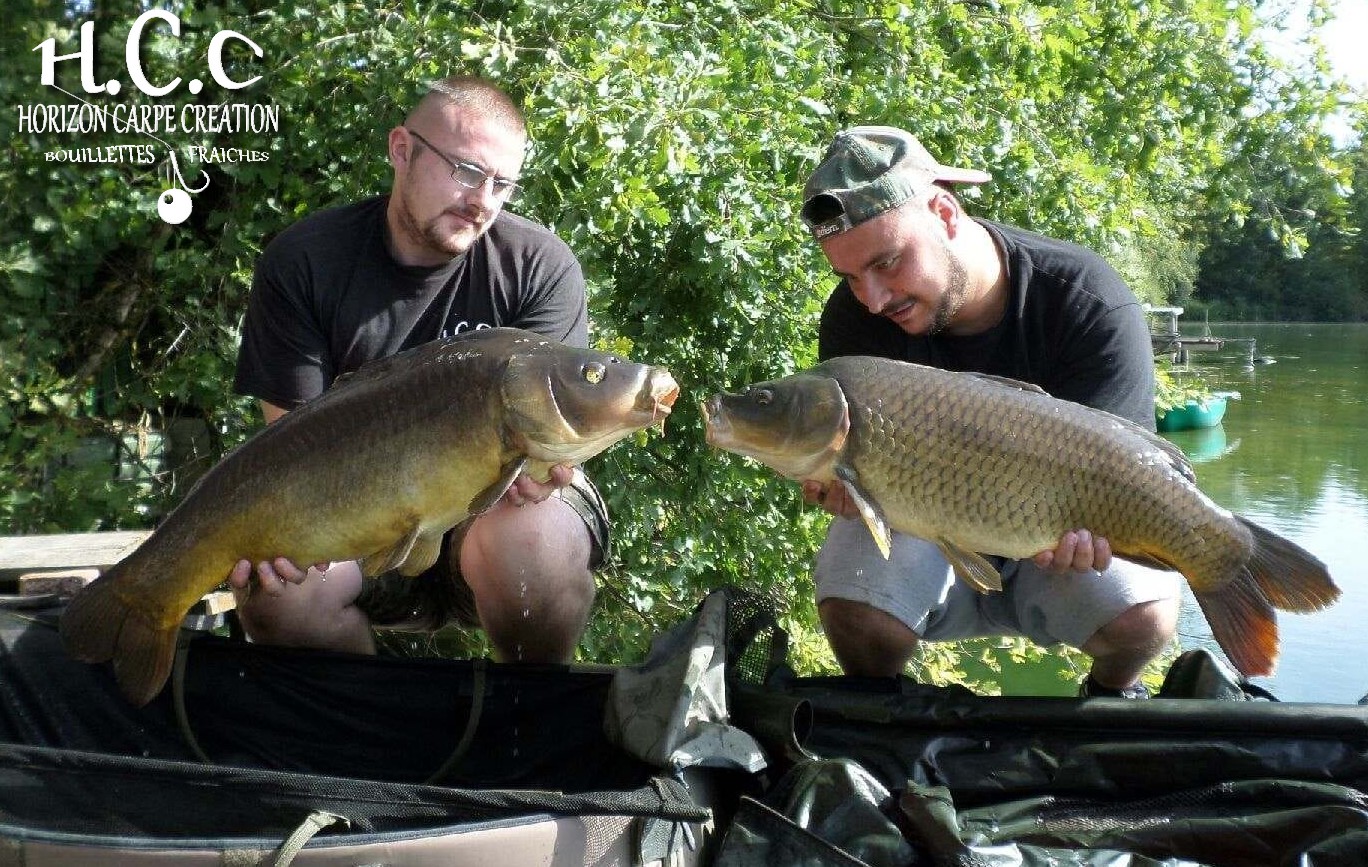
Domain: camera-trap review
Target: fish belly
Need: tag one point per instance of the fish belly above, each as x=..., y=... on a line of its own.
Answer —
x=340, y=498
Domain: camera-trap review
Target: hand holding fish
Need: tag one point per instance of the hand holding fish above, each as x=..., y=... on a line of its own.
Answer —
x=1077, y=551
x=830, y=497
x=981, y=465
x=271, y=574
x=278, y=603
x=526, y=489
x=370, y=475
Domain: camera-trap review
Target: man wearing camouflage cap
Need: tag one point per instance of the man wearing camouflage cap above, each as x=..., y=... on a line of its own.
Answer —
x=922, y=281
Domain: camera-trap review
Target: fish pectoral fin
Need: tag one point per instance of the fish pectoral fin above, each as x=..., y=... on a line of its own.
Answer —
x=486, y=499
x=971, y=568
x=1141, y=558
x=873, y=518
x=425, y=551
x=392, y=557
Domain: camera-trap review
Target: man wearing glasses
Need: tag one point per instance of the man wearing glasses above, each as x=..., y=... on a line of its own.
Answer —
x=435, y=257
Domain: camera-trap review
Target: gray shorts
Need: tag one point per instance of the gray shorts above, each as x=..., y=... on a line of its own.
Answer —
x=441, y=595
x=917, y=586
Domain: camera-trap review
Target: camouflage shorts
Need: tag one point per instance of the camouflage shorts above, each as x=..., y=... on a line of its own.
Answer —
x=440, y=595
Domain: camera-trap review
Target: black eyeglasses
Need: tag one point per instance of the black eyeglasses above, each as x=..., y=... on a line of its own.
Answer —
x=472, y=176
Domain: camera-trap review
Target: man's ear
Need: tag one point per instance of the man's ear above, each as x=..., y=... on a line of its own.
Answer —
x=400, y=146
x=945, y=208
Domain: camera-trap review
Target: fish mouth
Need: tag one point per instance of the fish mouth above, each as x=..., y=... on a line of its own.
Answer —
x=664, y=391
x=714, y=421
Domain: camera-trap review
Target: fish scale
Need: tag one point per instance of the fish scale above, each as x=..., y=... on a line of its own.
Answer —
x=985, y=466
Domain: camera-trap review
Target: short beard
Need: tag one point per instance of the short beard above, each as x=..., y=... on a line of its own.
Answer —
x=956, y=291
x=426, y=235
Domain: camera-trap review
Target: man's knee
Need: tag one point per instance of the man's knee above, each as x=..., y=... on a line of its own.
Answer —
x=866, y=640
x=317, y=613
x=548, y=536
x=1146, y=626
x=530, y=579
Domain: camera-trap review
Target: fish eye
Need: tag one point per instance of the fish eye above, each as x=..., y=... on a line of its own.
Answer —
x=593, y=372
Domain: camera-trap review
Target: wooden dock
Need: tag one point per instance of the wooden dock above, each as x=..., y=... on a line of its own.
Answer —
x=1166, y=339
x=59, y=564
x=58, y=551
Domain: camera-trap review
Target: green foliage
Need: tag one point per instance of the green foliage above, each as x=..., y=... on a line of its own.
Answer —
x=1283, y=242
x=1175, y=389
x=671, y=141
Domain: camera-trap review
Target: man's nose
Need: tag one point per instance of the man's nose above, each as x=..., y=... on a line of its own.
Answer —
x=873, y=294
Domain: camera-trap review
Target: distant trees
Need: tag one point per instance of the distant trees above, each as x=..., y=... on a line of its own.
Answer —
x=1291, y=245
x=1318, y=271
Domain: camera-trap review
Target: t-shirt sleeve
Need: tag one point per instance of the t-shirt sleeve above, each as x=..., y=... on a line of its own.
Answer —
x=283, y=357
x=1110, y=366
x=556, y=305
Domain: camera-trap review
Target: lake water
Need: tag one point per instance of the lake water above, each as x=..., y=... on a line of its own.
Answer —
x=1292, y=455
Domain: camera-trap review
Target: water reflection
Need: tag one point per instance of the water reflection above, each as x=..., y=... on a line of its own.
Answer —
x=1291, y=455
x=1203, y=444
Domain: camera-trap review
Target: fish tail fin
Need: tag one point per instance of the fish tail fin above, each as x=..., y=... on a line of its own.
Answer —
x=1243, y=623
x=1290, y=577
x=92, y=620
x=98, y=625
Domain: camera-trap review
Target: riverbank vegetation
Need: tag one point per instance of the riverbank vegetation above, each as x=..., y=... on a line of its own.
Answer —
x=671, y=141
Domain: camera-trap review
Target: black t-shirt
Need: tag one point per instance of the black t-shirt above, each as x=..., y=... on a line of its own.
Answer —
x=1071, y=326
x=327, y=297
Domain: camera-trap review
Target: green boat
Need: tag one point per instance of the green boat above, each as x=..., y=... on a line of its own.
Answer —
x=1196, y=414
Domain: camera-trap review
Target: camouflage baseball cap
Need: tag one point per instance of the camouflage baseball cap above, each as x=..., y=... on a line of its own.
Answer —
x=869, y=170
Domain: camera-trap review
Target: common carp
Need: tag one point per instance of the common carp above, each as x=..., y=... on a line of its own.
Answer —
x=375, y=469
x=984, y=465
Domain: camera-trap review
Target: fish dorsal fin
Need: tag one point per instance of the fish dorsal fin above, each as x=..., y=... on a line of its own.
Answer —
x=485, y=500
x=1008, y=382
x=383, y=367
x=971, y=568
x=445, y=350
x=873, y=518
x=1172, y=453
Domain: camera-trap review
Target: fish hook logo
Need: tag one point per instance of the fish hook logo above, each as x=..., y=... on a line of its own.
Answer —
x=174, y=205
